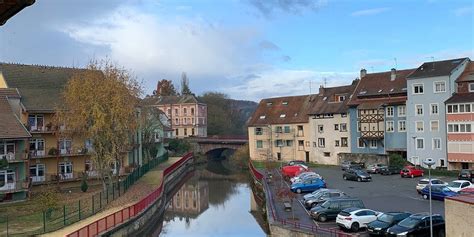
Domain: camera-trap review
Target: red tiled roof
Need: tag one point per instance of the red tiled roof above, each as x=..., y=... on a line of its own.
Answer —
x=379, y=87
x=10, y=125
x=294, y=108
x=468, y=74
x=326, y=102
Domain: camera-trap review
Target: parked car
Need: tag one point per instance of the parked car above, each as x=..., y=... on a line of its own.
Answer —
x=373, y=169
x=466, y=175
x=355, y=218
x=424, y=182
x=385, y=221
x=389, y=170
x=306, y=175
x=466, y=191
x=358, y=175
x=438, y=192
x=351, y=165
x=457, y=185
x=411, y=171
x=291, y=171
x=297, y=162
x=418, y=225
x=308, y=185
x=330, y=208
x=300, y=174
x=314, y=193
x=321, y=197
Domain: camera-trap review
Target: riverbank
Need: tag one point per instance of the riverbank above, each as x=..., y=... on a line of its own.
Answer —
x=143, y=187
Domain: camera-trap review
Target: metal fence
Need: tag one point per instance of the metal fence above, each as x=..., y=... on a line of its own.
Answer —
x=123, y=215
x=12, y=224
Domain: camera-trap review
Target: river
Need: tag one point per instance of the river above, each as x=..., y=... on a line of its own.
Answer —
x=211, y=204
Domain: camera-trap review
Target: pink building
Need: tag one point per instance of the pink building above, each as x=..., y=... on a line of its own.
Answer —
x=460, y=122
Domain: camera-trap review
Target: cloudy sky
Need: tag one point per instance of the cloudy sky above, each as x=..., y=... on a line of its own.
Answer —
x=249, y=49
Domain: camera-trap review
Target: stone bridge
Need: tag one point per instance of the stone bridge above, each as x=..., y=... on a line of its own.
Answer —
x=217, y=144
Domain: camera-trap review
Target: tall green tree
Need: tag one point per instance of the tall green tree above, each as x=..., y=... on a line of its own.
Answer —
x=165, y=88
x=99, y=104
x=185, y=90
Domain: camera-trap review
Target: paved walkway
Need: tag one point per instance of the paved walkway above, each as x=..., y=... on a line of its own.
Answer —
x=139, y=190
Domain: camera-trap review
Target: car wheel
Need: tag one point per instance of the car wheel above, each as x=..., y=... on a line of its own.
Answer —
x=412, y=176
x=322, y=218
x=355, y=227
x=425, y=196
x=359, y=179
x=298, y=190
x=344, y=177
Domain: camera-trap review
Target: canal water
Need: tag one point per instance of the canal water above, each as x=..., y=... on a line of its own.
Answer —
x=213, y=202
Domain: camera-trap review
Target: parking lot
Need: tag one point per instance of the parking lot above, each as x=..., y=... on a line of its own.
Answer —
x=384, y=193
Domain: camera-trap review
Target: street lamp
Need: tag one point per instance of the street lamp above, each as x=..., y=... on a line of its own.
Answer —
x=429, y=162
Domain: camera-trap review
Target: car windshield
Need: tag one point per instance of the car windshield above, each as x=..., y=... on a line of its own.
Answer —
x=409, y=222
x=361, y=172
x=454, y=185
x=385, y=218
x=446, y=189
x=423, y=182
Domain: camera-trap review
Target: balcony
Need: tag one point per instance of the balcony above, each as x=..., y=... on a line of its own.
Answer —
x=41, y=129
x=372, y=135
x=13, y=187
x=53, y=152
x=14, y=157
x=371, y=118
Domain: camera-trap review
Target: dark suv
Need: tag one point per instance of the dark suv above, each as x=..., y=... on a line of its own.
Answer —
x=355, y=174
x=418, y=225
x=330, y=208
x=466, y=175
x=385, y=221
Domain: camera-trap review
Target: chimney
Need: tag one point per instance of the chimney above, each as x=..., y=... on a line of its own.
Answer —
x=363, y=72
x=321, y=90
x=393, y=75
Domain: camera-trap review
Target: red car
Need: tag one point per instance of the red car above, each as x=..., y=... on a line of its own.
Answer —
x=291, y=170
x=411, y=171
x=467, y=191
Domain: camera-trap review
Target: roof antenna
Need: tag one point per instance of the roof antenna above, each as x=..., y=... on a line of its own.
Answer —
x=310, y=86
x=325, y=82
x=396, y=64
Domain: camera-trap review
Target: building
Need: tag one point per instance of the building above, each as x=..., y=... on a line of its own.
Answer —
x=378, y=113
x=279, y=129
x=188, y=117
x=458, y=213
x=460, y=122
x=14, y=183
x=429, y=86
x=329, y=123
x=190, y=201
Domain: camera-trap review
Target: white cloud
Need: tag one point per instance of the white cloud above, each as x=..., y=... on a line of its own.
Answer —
x=371, y=11
x=283, y=82
x=462, y=11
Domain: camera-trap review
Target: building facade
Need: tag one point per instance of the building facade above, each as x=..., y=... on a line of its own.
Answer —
x=188, y=117
x=279, y=129
x=330, y=124
x=460, y=122
x=378, y=113
x=428, y=88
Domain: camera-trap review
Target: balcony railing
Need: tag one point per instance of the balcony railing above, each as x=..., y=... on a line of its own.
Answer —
x=372, y=135
x=54, y=153
x=14, y=157
x=11, y=187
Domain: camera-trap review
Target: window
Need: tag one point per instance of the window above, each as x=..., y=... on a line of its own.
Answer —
x=282, y=115
x=278, y=156
x=269, y=103
x=185, y=111
x=262, y=117
x=185, y=132
x=259, y=144
x=434, y=125
x=176, y=121
x=420, y=143
x=315, y=144
x=327, y=154
x=459, y=128
x=437, y=143
x=176, y=112
x=439, y=86
x=336, y=127
x=192, y=111
x=36, y=122
x=289, y=142
x=402, y=127
x=37, y=172
x=278, y=129
x=300, y=144
x=279, y=143
x=373, y=144
x=434, y=109
x=343, y=115
x=65, y=146
x=344, y=142
x=177, y=132
x=471, y=87
x=390, y=110
x=419, y=109
x=419, y=126
x=389, y=127
x=258, y=131
x=287, y=129
x=284, y=103
x=320, y=128
x=37, y=147
x=65, y=170
x=192, y=131
x=418, y=88
x=321, y=142
x=337, y=143
x=343, y=127
x=360, y=143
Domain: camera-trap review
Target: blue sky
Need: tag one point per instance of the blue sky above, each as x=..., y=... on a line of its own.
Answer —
x=249, y=49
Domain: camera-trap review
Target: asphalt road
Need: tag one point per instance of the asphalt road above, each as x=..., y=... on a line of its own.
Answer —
x=383, y=193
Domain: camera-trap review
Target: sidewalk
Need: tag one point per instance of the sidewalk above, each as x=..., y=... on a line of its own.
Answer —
x=145, y=185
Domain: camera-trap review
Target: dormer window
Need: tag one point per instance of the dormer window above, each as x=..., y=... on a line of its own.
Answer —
x=262, y=117
x=362, y=92
x=284, y=103
x=391, y=90
x=269, y=103
x=325, y=98
x=380, y=90
x=282, y=115
x=340, y=98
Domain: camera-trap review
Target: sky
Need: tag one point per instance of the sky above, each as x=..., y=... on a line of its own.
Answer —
x=247, y=49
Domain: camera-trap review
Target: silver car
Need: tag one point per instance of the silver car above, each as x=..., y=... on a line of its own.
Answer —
x=424, y=182
x=322, y=197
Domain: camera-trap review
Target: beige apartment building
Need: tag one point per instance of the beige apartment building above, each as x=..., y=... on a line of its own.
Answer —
x=329, y=124
x=279, y=129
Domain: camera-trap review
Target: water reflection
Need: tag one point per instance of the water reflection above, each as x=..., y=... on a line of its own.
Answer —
x=211, y=204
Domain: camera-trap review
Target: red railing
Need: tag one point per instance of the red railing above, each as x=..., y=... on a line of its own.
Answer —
x=295, y=224
x=256, y=174
x=119, y=217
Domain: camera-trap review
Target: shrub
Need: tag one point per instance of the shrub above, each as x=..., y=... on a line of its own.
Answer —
x=179, y=146
x=84, y=185
x=53, y=151
x=397, y=161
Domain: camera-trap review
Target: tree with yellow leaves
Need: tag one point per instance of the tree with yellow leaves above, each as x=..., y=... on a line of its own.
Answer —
x=99, y=104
